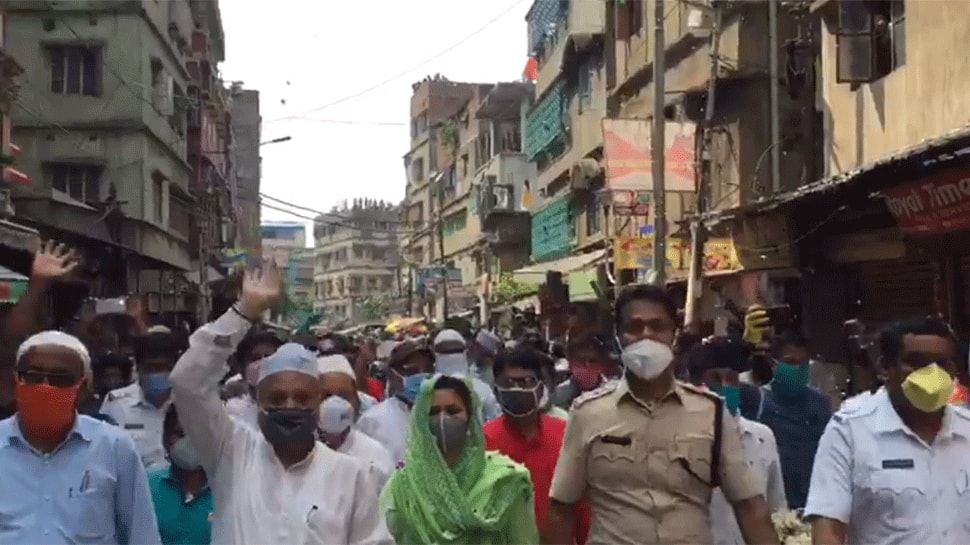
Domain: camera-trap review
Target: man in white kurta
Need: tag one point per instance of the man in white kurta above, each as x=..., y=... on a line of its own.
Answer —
x=327, y=498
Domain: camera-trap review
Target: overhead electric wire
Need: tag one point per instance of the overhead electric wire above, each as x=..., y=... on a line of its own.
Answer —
x=400, y=75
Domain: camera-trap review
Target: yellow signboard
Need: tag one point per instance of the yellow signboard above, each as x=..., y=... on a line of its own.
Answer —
x=637, y=253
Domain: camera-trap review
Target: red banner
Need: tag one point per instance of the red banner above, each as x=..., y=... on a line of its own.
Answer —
x=936, y=205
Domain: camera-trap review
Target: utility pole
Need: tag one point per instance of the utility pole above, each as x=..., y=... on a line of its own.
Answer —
x=657, y=145
x=204, y=267
x=441, y=249
x=698, y=236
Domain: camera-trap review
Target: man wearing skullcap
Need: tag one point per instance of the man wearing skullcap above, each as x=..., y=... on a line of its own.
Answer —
x=277, y=484
x=67, y=478
x=338, y=417
x=451, y=358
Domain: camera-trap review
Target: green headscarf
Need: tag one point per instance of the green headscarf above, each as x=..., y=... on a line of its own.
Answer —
x=435, y=504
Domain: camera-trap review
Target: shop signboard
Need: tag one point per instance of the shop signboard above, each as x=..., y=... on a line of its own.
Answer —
x=627, y=156
x=936, y=205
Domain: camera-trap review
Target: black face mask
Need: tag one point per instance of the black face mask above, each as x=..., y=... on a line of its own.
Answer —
x=288, y=426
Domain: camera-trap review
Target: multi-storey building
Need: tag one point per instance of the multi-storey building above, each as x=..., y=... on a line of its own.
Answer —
x=485, y=192
x=103, y=125
x=12, y=235
x=356, y=259
x=434, y=101
x=563, y=135
x=880, y=234
x=211, y=227
x=285, y=243
x=246, y=167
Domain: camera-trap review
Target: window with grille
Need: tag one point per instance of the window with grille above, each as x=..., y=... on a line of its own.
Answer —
x=80, y=182
x=75, y=69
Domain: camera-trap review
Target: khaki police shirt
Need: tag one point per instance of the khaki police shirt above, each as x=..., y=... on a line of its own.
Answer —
x=645, y=468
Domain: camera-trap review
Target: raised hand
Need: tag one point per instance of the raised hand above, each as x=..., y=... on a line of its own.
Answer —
x=261, y=290
x=52, y=261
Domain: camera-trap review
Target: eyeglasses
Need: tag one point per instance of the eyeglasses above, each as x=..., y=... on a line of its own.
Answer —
x=57, y=380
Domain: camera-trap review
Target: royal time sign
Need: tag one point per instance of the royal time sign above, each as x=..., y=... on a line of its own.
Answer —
x=936, y=205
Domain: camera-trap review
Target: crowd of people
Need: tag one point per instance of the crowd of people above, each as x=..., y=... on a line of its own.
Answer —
x=236, y=435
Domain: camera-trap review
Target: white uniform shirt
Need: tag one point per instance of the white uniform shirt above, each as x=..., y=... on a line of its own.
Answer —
x=388, y=423
x=761, y=454
x=372, y=454
x=328, y=498
x=244, y=410
x=141, y=420
x=886, y=484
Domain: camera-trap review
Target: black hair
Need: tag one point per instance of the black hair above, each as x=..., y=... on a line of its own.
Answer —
x=255, y=338
x=156, y=345
x=171, y=419
x=112, y=359
x=788, y=337
x=588, y=341
x=458, y=385
x=891, y=338
x=522, y=358
x=644, y=292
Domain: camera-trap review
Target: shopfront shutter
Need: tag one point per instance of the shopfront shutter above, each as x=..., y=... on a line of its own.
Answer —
x=893, y=289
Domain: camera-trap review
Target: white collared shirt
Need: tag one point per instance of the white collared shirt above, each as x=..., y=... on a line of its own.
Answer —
x=244, y=410
x=141, y=420
x=886, y=484
x=328, y=498
x=761, y=454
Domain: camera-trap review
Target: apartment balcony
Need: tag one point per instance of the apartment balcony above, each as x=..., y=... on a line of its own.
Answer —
x=578, y=29
x=553, y=230
x=546, y=125
x=503, y=211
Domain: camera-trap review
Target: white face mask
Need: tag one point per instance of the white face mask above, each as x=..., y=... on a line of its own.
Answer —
x=336, y=415
x=451, y=364
x=646, y=359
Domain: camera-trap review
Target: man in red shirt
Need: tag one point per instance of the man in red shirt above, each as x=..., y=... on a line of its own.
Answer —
x=527, y=435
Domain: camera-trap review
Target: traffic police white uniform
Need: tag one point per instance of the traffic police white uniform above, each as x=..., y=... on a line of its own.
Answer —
x=887, y=485
x=142, y=420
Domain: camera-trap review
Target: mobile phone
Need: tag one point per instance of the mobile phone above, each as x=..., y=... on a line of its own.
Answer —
x=780, y=315
x=116, y=305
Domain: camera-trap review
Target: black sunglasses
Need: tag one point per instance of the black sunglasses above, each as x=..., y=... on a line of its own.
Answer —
x=57, y=380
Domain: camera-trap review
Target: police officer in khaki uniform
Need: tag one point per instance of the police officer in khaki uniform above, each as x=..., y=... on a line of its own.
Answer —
x=646, y=450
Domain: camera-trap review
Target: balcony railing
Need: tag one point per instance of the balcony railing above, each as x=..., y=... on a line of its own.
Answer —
x=546, y=124
x=494, y=197
x=543, y=20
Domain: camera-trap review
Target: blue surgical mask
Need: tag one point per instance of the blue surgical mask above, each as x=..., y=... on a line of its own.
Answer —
x=155, y=385
x=412, y=387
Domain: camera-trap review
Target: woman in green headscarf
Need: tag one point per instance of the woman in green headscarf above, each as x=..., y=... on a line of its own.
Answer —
x=450, y=490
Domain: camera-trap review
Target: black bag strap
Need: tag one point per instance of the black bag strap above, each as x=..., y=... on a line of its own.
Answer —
x=716, y=446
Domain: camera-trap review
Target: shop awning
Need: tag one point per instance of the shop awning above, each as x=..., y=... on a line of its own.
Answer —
x=536, y=274
x=13, y=286
x=18, y=237
x=14, y=176
x=910, y=163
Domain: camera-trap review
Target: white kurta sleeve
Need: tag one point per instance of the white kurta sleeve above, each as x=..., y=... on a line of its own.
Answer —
x=195, y=385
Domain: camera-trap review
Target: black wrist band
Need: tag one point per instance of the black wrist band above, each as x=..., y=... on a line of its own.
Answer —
x=241, y=315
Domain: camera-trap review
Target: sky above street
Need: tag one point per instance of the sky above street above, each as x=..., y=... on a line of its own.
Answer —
x=303, y=55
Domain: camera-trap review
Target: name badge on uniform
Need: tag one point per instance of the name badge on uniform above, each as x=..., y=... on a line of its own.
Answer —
x=614, y=440
x=134, y=426
x=898, y=464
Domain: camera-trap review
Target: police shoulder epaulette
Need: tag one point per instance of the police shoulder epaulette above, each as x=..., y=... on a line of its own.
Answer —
x=854, y=407
x=700, y=391
x=605, y=389
x=115, y=396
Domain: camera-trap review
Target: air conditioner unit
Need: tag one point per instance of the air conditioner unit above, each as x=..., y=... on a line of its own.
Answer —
x=582, y=172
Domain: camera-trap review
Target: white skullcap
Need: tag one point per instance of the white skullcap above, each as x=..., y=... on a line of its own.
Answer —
x=159, y=329
x=57, y=338
x=336, y=363
x=289, y=357
x=449, y=336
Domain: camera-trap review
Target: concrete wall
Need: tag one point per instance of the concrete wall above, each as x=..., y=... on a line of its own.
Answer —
x=924, y=98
